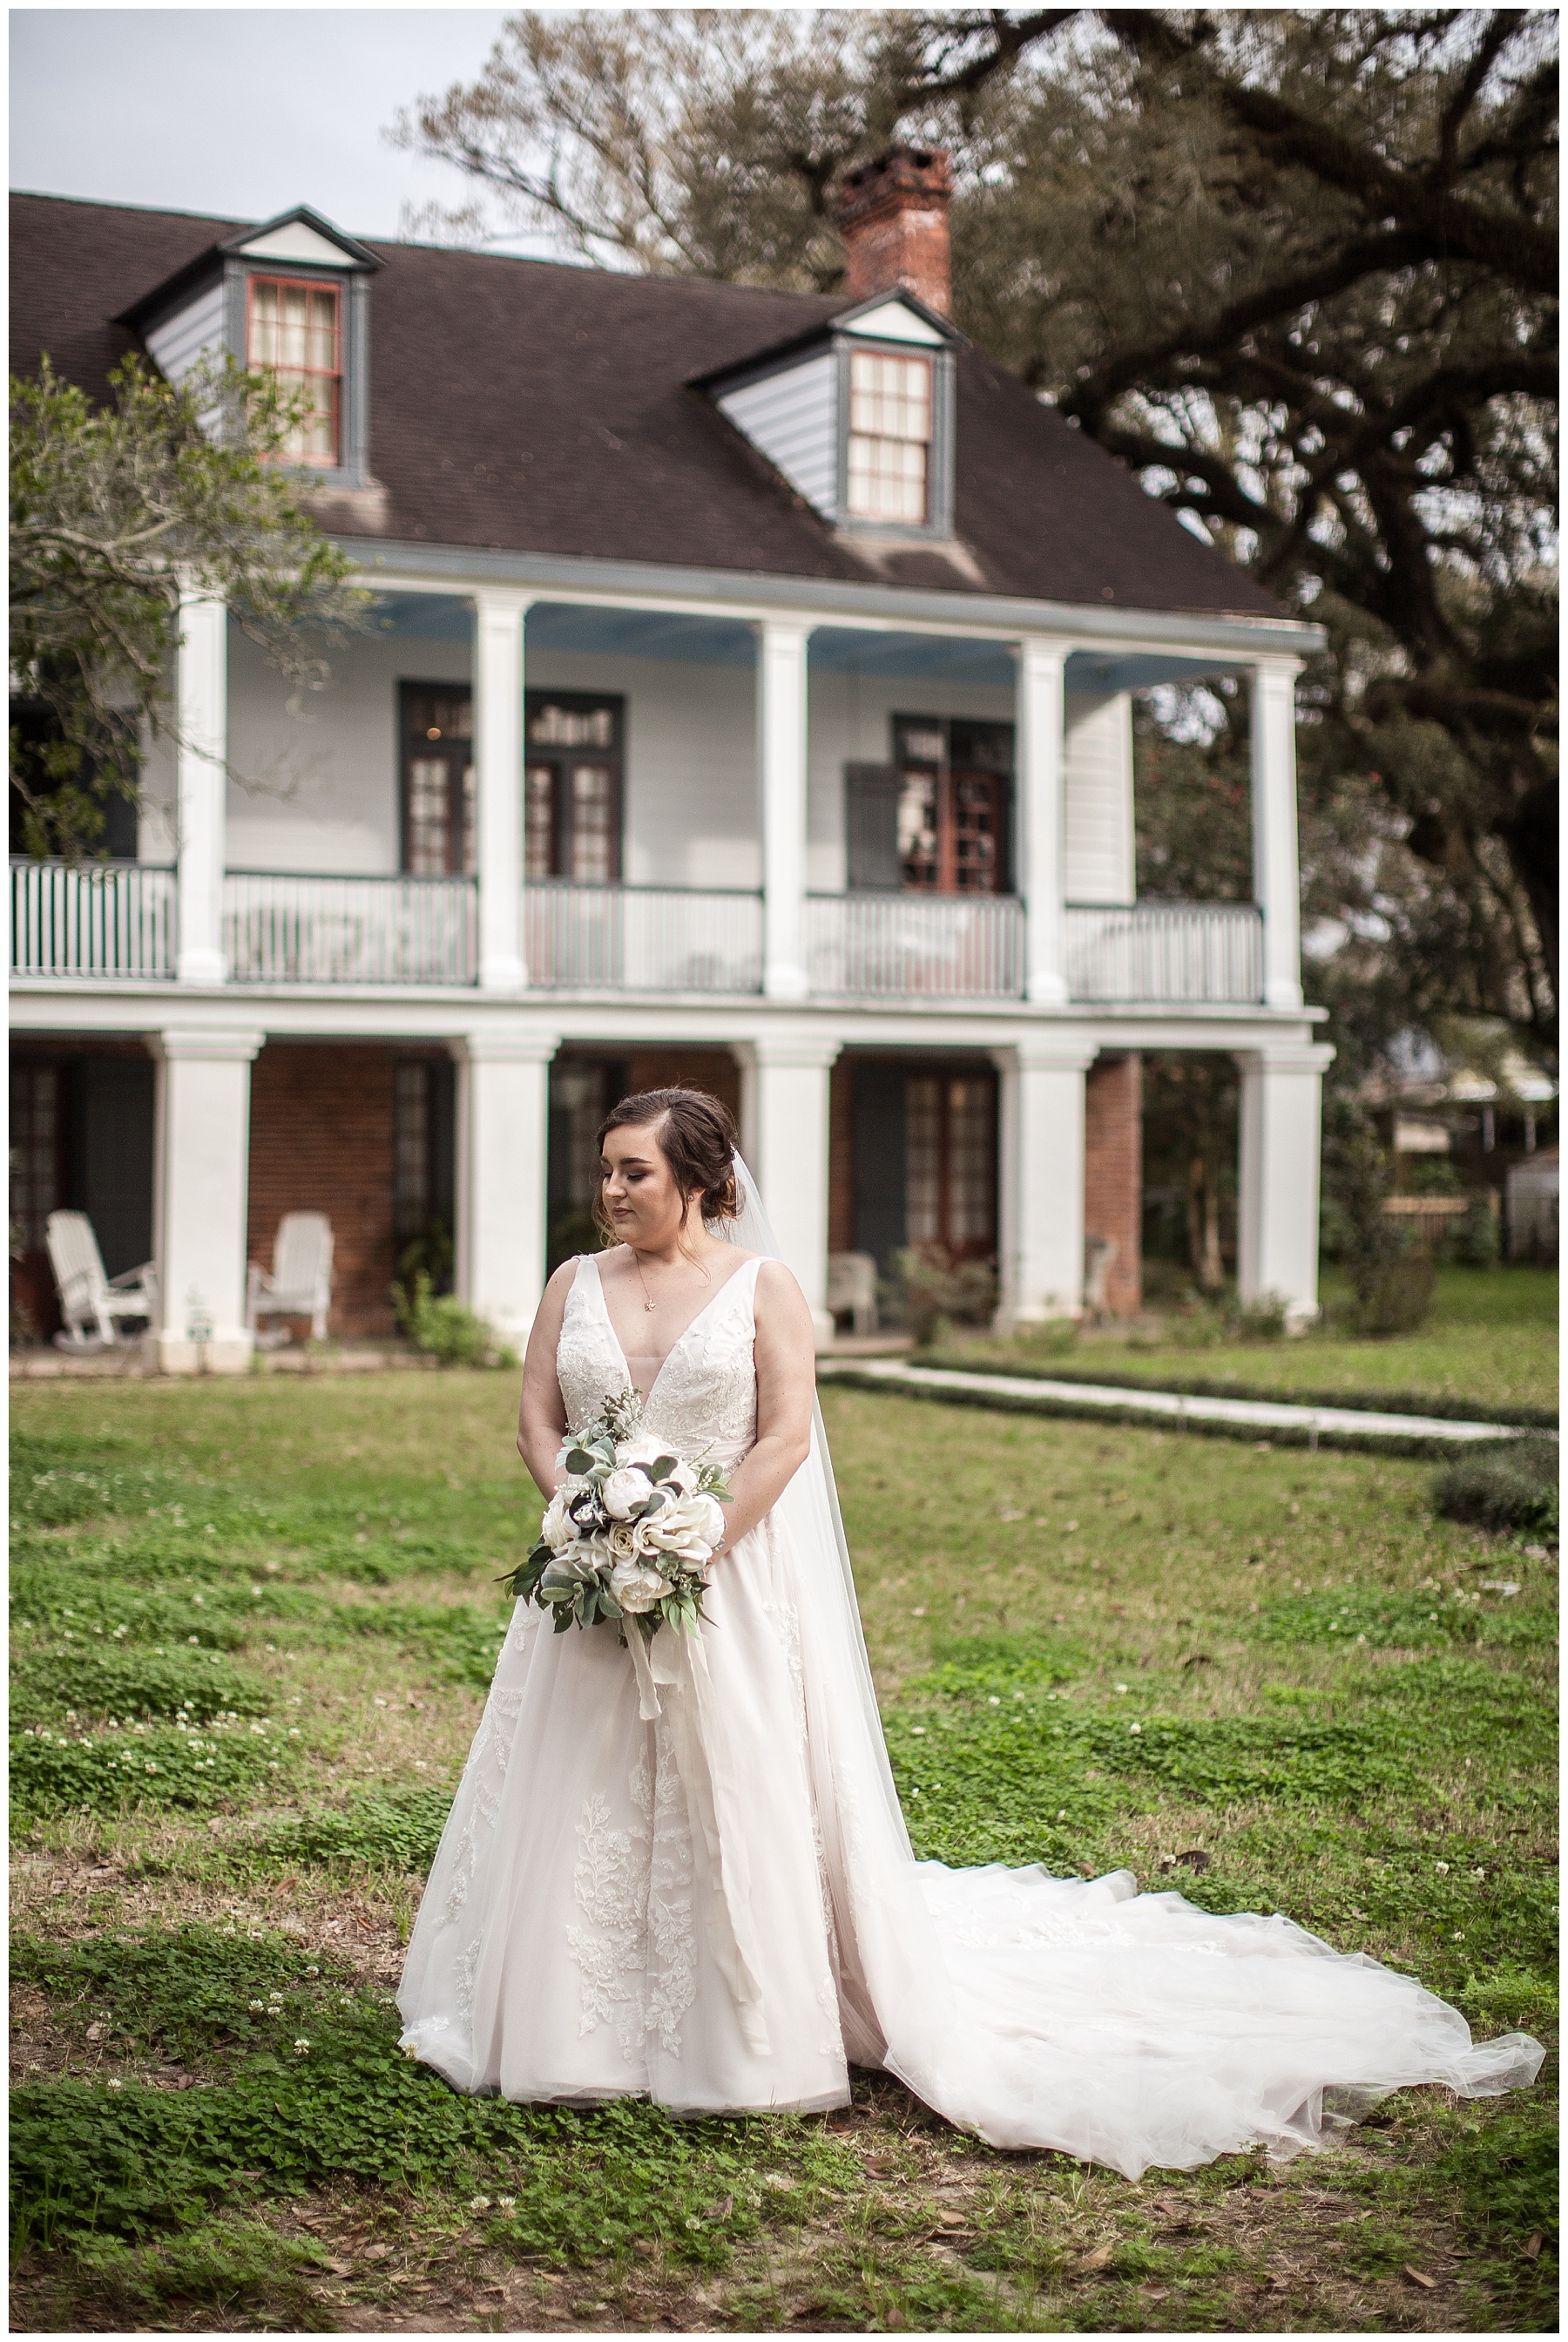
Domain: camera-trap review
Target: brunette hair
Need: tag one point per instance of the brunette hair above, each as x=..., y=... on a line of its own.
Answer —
x=697, y=1137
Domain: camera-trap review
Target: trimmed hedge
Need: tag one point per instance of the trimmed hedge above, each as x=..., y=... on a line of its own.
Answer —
x=1509, y=1488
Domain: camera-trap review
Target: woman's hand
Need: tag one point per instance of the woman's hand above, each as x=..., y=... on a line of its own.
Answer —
x=787, y=1388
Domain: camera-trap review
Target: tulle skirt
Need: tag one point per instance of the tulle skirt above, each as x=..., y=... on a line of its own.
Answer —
x=582, y=1931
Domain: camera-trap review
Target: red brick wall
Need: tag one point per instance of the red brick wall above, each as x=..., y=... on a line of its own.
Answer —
x=713, y=1070
x=321, y=1141
x=1113, y=1173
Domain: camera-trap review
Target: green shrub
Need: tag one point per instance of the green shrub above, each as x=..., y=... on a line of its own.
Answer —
x=1396, y=1297
x=446, y=1329
x=1512, y=1487
x=940, y=1290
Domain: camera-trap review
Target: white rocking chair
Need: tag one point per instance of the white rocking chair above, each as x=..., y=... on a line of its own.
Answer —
x=300, y=1284
x=851, y=1285
x=91, y=1302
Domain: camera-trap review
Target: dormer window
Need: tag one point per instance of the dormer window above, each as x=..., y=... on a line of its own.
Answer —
x=858, y=417
x=291, y=299
x=296, y=335
x=889, y=437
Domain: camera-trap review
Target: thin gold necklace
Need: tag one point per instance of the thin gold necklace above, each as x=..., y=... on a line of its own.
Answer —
x=649, y=1303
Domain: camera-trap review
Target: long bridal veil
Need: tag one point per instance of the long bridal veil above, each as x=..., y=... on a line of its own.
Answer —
x=1130, y=2029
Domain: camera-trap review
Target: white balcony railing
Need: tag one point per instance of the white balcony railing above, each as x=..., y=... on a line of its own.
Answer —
x=1179, y=952
x=92, y=918
x=296, y=928
x=915, y=946
x=608, y=938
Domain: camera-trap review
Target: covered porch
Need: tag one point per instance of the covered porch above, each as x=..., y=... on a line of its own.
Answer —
x=532, y=795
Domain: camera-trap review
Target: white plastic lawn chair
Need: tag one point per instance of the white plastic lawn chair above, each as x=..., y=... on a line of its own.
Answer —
x=300, y=1284
x=91, y=1302
x=851, y=1285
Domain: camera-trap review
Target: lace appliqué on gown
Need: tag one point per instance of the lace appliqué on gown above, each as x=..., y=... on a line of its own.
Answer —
x=637, y=1952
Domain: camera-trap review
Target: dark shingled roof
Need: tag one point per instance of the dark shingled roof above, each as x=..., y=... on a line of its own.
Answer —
x=520, y=405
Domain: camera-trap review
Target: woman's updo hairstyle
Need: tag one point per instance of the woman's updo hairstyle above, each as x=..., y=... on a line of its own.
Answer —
x=697, y=1139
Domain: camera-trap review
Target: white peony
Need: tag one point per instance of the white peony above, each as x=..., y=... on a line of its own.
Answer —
x=557, y=1528
x=691, y=1527
x=636, y=1586
x=623, y=1491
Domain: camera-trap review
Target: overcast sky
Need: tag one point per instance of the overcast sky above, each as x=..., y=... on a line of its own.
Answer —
x=243, y=112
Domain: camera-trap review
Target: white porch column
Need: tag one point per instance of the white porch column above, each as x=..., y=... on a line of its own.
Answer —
x=1040, y=1157
x=1280, y=1144
x=200, y=1191
x=784, y=1089
x=498, y=621
x=201, y=785
x=1041, y=754
x=502, y=1164
x=782, y=718
x=1276, y=871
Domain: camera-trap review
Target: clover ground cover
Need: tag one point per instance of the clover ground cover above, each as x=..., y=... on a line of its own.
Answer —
x=1094, y=1647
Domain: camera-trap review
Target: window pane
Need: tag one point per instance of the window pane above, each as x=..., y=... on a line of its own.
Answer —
x=34, y=1128
x=923, y=1160
x=890, y=398
x=552, y=726
x=539, y=822
x=411, y=1148
x=429, y=816
x=294, y=336
x=886, y=478
x=971, y=1179
x=976, y=843
x=592, y=833
x=469, y=857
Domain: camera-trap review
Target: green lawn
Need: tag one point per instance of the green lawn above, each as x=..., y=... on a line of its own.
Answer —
x=1491, y=1338
x=283, y=1592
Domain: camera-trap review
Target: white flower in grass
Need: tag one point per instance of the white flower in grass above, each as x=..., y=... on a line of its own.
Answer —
x=409, y=2048
x=1442, y=1868
x=259, y=2007
x=301, y=2046
x=479, y=2203
x=623, y=1492
x=505, y=2203
x=114, y=2082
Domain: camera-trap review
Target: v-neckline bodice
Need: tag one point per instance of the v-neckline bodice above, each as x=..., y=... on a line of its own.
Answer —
x=690, y=1328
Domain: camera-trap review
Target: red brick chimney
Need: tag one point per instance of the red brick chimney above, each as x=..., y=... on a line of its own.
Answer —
x=891, y=213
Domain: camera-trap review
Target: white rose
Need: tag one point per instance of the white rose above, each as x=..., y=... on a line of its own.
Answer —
x=623, y=1492
x=625, y=1541
x=636, y=1587
x=645, y=1449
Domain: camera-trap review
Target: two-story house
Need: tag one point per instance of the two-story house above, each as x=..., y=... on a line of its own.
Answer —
x=748, y=700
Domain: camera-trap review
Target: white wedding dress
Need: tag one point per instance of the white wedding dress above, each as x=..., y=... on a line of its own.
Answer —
x=718, y=1906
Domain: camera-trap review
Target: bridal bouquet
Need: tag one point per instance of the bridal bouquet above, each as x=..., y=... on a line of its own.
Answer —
x=629, y=1533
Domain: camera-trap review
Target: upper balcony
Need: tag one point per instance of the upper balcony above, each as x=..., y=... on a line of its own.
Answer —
x=667, y=807
x=105, y=921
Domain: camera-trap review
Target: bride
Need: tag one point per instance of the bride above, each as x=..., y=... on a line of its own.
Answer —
x=716, y=1905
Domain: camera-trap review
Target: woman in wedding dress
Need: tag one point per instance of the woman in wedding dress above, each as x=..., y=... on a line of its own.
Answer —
x=703, y=1892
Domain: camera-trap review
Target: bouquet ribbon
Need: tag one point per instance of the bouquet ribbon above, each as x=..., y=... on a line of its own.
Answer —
x=676, y=1663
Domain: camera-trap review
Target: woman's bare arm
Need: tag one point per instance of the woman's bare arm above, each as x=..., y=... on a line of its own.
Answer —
x=786, y=1385
x=541, y=1412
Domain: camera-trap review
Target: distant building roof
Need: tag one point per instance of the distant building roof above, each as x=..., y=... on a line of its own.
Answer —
x=523, y=406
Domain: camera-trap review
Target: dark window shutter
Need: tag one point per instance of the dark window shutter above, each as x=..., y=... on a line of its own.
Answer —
x=871, y=826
